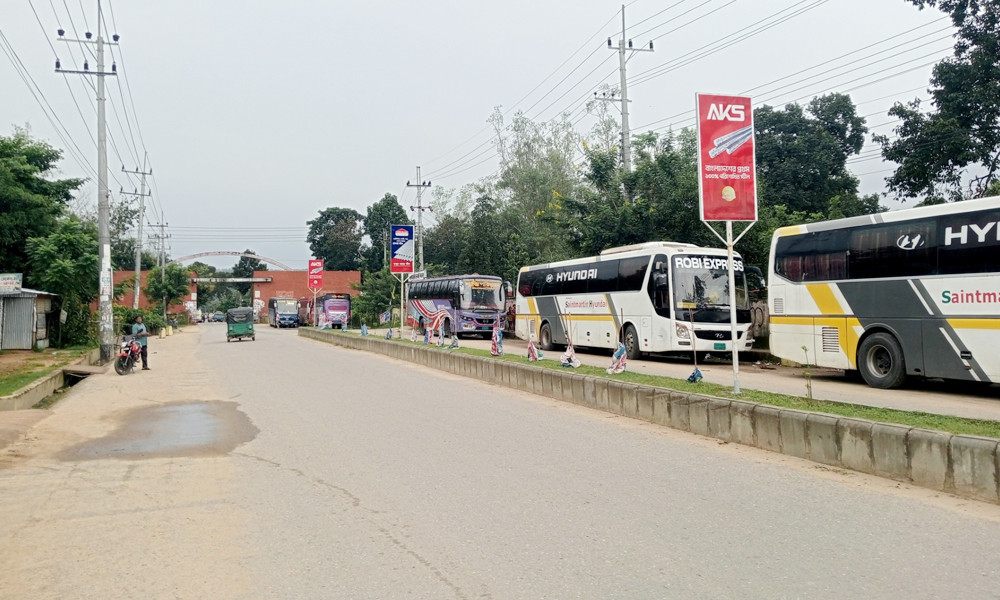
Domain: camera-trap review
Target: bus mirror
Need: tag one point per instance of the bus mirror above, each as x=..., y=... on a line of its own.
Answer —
x=755, y=279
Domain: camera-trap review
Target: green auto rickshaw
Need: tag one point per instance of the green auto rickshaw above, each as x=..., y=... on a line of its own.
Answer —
x=239, y=324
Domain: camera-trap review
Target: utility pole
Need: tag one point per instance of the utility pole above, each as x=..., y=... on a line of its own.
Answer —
x=420, y=208
x=105, y=278
x=138, y=236
x=162, y=260
x=622, y=59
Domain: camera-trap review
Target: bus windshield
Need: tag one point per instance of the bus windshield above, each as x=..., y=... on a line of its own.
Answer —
x=481, y=294
x=286, y=306
x=701, y=285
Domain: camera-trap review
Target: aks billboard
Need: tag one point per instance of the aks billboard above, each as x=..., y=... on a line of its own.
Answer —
x=401, y=249
x=315, y=274
x=727, y=180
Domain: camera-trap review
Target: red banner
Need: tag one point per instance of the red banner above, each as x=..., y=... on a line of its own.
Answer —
x=727, y=179
x=315, y=274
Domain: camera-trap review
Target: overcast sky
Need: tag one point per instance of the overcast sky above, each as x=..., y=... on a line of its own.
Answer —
x=257, y=115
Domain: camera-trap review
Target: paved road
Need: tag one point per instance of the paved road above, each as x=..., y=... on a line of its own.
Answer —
x=288, y=468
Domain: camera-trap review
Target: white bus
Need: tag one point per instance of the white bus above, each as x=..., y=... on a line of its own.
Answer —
x=655, y=297
x=909, y=292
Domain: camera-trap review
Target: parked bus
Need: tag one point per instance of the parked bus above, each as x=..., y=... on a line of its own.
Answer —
x=283, y=312
x=333, y=311
x=654, y=297
x=909, y=292
x=465, y=304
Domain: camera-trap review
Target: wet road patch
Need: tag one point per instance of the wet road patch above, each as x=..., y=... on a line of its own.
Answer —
x=169, y=430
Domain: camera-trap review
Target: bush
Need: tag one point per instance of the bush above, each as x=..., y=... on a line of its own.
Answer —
x=125, y=317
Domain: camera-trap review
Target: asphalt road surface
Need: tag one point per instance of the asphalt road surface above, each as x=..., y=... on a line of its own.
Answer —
x=289, y=468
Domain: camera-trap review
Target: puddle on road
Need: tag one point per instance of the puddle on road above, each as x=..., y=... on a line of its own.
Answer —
x=168, y=430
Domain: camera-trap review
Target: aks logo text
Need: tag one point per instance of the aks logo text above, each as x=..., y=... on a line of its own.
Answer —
x=726, y=112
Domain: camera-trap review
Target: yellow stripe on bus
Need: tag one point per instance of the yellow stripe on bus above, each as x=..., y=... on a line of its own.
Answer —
x=822, y=295
x=974, y=323
x=846, y=330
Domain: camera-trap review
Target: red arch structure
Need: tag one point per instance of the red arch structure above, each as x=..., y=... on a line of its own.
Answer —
x=227, y=253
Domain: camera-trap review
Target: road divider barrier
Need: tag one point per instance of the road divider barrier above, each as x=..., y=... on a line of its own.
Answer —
x=967, y=466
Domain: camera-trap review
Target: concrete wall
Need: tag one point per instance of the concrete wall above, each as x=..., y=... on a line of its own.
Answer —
x=959, y=464
x=41, y=389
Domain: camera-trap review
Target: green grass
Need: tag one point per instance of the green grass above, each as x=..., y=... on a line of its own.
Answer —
x=955, y=425
x=34, y=370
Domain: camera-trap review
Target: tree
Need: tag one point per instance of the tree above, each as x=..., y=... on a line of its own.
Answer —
x=167, y=286
x=65, y=263
x=335, y=236
x=245, y=268
x=379, y=292
x=960, y=137
x=30, y=202
x=802, y=154
x=381, y=215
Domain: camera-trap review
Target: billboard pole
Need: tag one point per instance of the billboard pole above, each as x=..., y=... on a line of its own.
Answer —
x=727, y=184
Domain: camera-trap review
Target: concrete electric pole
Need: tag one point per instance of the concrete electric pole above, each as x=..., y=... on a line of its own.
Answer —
x=142, y=215
x=622, y=59
x=420, y=208
x=105, y=278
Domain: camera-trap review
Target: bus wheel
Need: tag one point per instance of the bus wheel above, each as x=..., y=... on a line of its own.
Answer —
x=420, y=326
x=545, y=337
x=880, y=361
x=631, y=341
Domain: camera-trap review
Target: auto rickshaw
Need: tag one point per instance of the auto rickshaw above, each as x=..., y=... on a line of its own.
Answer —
x=239, y=324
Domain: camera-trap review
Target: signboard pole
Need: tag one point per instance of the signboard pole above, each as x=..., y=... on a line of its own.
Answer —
x=727, y=183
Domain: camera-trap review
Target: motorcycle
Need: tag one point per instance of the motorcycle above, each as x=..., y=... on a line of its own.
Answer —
x=129, y=353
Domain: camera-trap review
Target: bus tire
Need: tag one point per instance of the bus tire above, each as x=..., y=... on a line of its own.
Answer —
x=545, y=337
x=631, y=341
x=420, y=326
x=880, y=361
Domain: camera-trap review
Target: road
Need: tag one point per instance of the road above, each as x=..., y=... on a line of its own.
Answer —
x=289, y=468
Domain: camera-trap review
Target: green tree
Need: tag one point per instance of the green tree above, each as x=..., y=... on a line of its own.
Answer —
x=379, y=292
x=802, y=154
x=30, y=200
x=65, y=263
x=381, y=215
x=959, y=137
x=168, y=286
x=245, y=268
x=335, y=236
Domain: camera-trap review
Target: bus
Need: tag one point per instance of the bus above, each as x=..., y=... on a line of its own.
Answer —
x=283, y=312
x=463, y=304
x=654, y=297
x=333, y=311
x=913, y=292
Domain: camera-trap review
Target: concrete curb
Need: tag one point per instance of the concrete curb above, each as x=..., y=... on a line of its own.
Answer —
x=964, y=465
x=41, y=389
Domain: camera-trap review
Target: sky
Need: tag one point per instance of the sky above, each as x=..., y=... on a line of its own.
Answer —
x=255, y=116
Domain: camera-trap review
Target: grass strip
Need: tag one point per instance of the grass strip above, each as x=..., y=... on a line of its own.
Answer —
x=949, y=424
x=14, y=382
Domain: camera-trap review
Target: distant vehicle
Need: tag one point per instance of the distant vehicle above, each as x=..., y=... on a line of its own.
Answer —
x=333, y=311
x=465, y=304
x=652, y=297
x=911, y=292
x=218, y=316
x=283, y=312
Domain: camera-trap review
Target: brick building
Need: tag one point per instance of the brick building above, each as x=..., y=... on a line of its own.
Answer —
x=189, y=301
x=294, y=284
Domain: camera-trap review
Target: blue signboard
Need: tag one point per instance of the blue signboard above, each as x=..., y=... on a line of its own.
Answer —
x=401, y=249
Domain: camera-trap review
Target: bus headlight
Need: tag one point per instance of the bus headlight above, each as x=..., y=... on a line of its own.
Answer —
x=683, y=332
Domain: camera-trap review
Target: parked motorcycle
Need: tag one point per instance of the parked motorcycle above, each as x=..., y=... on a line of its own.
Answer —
x=129, y=353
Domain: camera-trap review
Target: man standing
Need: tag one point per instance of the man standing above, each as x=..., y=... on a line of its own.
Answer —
x=139, y=331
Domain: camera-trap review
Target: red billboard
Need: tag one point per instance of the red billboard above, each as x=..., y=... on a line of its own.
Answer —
x=727, y=181
x=315, y=274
